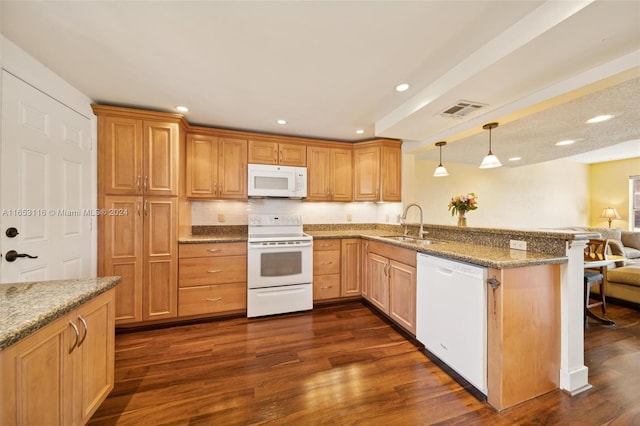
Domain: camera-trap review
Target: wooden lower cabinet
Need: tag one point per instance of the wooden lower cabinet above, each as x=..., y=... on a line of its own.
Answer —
x=58, y=377
x=212, y=279
x=139, y=243
x=351, y=268
x=390, y=283
x=326, y=269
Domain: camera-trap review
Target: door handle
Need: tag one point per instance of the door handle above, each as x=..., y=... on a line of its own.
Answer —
x=13, y=255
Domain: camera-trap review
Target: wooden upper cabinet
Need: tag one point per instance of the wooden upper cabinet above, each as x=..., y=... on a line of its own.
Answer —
x=329, y=174
x=138, y=157
x=366, y=173
x=233, y=169
x=377, y=171
x=161, y=147
x=391, y=170
x=202, y=165
x=284, y=154
x=216, y=167
x=121, y=142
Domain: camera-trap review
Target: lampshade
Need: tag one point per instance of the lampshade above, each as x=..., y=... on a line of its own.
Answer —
x=610, y=213
x=490, y=161
x=440, y=170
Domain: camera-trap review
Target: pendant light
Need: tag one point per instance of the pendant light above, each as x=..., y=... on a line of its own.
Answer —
x=440, y=170
x=490, y=161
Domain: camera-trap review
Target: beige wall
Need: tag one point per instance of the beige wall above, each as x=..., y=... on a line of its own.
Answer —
x=609, y=186
x=554, y=194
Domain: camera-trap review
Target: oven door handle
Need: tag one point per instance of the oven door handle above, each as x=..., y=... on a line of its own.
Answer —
x=260, y=246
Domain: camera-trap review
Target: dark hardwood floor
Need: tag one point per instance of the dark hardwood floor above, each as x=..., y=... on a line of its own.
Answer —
x=342, y=365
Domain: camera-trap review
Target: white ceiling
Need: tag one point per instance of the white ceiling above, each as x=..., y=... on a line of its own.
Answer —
x=329, y=68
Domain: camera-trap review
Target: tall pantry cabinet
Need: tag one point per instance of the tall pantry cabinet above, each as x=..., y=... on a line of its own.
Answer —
x=138, y=154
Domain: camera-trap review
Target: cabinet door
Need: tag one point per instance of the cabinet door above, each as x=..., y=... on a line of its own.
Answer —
x=366, y=176
x=351, y=260
x=261, y=152
x=365, y=270
x=160, y=282
x=232, y=175
x=37, y=386
x=161, y=144
x=94, y=361
x=121, y=162
x=391, y=173
x=292, y=155
x=318, y=173
x=202, y=166
x=120, y=254
x=402, y=295
x=377, y=270
x=341, y=175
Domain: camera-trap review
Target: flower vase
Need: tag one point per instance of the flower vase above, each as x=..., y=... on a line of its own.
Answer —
x=462, y=220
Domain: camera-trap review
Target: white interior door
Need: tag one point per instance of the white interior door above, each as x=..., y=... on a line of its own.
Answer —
x=46, y=186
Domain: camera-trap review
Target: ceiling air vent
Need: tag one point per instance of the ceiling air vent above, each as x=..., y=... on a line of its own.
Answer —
x=461, y=109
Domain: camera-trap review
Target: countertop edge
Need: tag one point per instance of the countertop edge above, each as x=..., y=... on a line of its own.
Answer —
x=42, y=319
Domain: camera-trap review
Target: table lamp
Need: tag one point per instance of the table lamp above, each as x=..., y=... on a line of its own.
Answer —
x=610, y=214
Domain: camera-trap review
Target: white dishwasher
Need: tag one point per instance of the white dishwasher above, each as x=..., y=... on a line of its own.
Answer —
x=451, y=315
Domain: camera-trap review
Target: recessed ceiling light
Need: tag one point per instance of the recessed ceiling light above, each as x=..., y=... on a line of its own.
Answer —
x=182, y=108
x=402, y=87
x=360, y=131
x=567, y=142
x=600, y=118
x=515, y=158
x=281, y=121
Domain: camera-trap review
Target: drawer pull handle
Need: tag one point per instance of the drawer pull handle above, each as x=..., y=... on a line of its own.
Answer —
x=327, y=263
x=213, y=250
x=326, y=287
x=215, y=299
x=214, y=271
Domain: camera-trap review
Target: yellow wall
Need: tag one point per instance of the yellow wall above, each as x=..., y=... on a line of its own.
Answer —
x=554, y=194
x=609, y=186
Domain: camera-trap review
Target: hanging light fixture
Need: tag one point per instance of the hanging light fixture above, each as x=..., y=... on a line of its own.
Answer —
x=490, y=161
x=440, y=170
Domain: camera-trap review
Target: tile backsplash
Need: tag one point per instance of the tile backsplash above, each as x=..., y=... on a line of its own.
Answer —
x=235, y=212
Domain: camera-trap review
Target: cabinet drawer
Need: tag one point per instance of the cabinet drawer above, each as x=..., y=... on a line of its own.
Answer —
x=212, y=299
x=212, y=249
x=319, y=245
x=392, y=252
x=212, y=270
x=326, y=262
x=326, y=287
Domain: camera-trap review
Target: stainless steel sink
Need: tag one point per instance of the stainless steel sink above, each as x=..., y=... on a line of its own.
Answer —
x=413, y=240
x=401, y=238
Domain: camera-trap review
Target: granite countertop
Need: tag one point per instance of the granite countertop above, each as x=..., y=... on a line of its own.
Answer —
x=491, y=257
x=27, y=307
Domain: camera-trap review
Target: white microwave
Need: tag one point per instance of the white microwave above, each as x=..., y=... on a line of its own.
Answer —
x=266, y=180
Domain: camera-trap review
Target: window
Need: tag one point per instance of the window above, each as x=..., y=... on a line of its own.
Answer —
x=634, y=203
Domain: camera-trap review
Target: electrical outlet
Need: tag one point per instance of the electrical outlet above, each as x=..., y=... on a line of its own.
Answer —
x=518, y=245
x=220, y=217
x=386, y=218
x=349, y=217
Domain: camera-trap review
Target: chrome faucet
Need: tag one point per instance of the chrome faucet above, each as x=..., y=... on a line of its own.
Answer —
x=404, y=217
